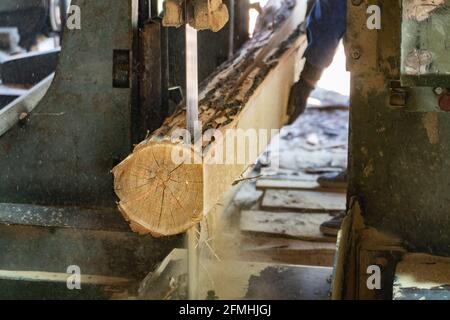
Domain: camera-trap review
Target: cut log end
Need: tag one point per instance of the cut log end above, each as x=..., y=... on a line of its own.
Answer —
x=158, y=195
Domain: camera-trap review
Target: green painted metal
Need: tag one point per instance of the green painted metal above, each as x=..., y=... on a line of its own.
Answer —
x=57, y=203
x=101, y=253
x=399, y=161
x=83, y=126
x=422, y=99
x=425, y=43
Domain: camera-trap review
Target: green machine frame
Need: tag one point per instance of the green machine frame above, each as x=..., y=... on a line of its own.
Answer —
x=59, y=143
x=399, y=164
x=57, y=203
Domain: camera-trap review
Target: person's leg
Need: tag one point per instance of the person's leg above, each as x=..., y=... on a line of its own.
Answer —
x=318, y=32
x=326, y=26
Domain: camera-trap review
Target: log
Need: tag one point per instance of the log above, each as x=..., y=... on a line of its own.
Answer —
x=167, y=185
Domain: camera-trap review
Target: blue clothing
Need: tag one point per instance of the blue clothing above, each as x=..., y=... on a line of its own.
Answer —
x=326, y=27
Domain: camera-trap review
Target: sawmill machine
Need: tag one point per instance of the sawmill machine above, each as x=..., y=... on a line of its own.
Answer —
x=118, y=75
x=395, y=241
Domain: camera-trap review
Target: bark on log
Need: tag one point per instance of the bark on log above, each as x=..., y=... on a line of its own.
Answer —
x=164, y=197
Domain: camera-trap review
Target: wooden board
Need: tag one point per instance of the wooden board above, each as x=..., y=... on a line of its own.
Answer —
x=263, y=248
x=305, y=201
x=286, y=224
x=285, y=184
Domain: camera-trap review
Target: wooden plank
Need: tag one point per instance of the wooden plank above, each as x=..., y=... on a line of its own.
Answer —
x=305, y=201
x=259, y=248
x=286, y=224
x=263, y=184
x=285, y=184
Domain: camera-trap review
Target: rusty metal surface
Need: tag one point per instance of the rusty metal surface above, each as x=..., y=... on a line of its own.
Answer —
x=399, y=161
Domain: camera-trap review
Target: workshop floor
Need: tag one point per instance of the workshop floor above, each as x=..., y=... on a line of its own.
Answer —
x=282, y=209
x=273, y=218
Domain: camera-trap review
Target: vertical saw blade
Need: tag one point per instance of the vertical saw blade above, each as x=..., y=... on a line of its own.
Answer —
x=191, y=80
x=192, y=126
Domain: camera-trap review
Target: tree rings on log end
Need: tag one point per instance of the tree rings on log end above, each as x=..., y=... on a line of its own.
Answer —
x=158, y=195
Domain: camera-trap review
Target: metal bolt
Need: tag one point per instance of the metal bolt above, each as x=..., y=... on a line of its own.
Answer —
x=444, y=103
x=357, y=2
x=439, y=90
x=356, y=54
x=398, y=97
x=23, y=118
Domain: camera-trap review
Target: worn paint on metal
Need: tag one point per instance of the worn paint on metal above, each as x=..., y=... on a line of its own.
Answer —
x=63, y=155
x=421, y=10
x=406, y=193
x=425, y=43
x=431, y=124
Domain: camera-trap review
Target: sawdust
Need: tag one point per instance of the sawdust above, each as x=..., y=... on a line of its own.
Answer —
x=423, y=271
x=431, y=124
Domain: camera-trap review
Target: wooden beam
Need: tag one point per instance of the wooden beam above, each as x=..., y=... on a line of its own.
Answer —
x=286, y=184
x=304, y=226
x=305, y=201
x=262, y=248
x=165, y=197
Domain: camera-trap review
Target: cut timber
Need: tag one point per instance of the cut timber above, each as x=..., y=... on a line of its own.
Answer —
x=305, y=201
x=165, y=196
x=285, y=250
x=288, y=224
x=283, y=184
